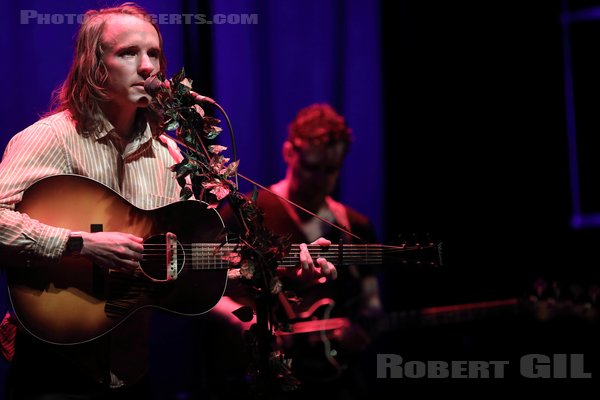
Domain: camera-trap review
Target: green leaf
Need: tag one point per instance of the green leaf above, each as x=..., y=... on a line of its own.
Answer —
x=212, y=134
x=185, y=193
x=232, y=168
x=178, y=77
x=174, y=124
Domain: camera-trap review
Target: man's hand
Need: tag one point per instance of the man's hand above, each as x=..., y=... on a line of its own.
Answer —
x=113, y=249
x=308, y=269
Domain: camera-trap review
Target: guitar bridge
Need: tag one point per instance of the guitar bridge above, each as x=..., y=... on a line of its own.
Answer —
x=171, y=264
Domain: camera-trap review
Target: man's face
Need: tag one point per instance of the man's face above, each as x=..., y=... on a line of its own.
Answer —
x=315, y=169
x=131, y=54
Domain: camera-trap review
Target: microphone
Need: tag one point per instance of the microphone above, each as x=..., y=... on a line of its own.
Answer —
x=152, y=85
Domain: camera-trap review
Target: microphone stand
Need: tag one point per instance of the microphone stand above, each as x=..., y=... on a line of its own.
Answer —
x=260, y=337
x=264, y=341
x=261, y=253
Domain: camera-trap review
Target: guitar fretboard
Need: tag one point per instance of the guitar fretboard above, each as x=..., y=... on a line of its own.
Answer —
x=217, y=256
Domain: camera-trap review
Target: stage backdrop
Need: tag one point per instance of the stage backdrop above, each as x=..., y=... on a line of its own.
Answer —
x=262, y=61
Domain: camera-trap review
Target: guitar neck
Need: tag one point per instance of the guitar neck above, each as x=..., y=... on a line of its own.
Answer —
x=338, y=254
x=216, y=256
x=447, y=314
x=369, y=254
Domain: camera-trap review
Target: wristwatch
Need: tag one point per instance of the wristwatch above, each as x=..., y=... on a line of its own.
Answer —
x=74, y=244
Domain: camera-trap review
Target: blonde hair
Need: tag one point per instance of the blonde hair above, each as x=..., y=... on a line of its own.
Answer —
x=85, y=86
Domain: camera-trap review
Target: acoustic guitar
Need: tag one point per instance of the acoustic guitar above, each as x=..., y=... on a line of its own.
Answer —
x=184, y=268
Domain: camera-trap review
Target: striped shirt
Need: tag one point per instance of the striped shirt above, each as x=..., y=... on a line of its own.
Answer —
x=52, y=146
x=140, y=173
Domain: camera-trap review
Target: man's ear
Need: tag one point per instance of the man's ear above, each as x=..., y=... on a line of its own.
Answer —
x=287, y=151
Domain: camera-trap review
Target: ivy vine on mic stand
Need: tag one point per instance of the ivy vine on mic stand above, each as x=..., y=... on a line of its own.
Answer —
x=206, y=174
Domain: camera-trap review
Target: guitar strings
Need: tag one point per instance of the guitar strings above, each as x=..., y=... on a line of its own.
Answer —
x=352, y=253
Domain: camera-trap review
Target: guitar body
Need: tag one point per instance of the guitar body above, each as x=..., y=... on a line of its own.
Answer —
x=76, y=301
x=318, y=343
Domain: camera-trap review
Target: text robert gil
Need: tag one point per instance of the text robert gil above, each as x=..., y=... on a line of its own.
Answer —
x=530, y=366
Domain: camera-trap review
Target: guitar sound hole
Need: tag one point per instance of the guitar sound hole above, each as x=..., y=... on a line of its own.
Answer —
x=154, y=262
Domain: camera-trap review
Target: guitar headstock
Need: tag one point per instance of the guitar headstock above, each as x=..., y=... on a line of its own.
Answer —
x=418, y=250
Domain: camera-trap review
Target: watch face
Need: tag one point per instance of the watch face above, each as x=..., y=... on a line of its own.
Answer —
x=75, y=244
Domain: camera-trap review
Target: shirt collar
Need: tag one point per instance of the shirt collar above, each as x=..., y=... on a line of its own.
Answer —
x=107, y=127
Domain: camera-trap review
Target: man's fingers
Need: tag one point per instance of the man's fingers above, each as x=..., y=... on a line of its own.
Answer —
x=122, y=265
x=327, y=268
x=305, y=258
x=136, y=247
x=131, y=265
x=137, y=256
x=324, y=266
x=321, y=268
x=136, y=238
x=322, y=242
x=332, y=270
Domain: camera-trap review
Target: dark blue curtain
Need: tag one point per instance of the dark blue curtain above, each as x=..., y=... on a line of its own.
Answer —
x=265, y=59
x=302, y=52
x=268, y=59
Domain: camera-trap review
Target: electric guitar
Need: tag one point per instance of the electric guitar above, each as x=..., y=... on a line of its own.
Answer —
x=321, y=346
x=183, y=271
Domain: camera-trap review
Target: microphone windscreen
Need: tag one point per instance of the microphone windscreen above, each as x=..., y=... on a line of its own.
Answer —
x=152, y=85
